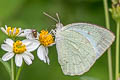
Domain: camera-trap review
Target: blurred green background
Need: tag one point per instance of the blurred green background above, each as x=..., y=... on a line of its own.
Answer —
x=29, y=14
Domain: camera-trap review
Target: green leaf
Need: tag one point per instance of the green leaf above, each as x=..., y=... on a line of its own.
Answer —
x=7, y=66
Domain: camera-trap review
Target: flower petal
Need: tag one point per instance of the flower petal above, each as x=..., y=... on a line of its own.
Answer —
x=27, y=59
x=51, y=44
x=29, y=34
x=38, y=34
x=27, y=31
x=47, y=58
x=9, y=42
x=3, y=30
x=33, y=44
x=27, y=42
x=18, y=60
x=7, y=56
x=20, y=29
x=6, y=47
x=6, y=27
x=41, y=53
x=21, y=33
x=30, y=55
x=46, y=51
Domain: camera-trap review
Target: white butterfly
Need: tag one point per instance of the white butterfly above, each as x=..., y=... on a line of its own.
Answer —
x=79, y=45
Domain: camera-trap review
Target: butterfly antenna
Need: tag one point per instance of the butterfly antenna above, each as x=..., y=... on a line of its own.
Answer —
x=58, y=17
x=50, y=17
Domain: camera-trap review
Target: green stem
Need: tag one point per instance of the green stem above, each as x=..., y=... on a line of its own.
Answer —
x=18, y=73
x=110, y=64
x=117, y=50
x=12, y=69
x=109, y=50
x=106, y=14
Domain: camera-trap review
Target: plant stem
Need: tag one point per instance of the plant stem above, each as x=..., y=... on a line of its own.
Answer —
x=12, y=69
x=117, y=50
x=18, y=72
x=106, y=14
x=109, y=50
x=15, y=70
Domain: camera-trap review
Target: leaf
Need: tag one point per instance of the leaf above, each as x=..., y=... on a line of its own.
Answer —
x=7, y=66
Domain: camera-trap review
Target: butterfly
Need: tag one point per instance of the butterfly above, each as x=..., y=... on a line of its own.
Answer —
x=79, y=45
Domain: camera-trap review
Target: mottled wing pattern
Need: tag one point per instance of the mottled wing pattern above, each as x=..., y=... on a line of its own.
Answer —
x=99, y=37
x=75, y=53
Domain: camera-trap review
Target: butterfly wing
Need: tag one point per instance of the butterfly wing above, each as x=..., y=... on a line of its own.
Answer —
x=99, y=37
x=75, y=53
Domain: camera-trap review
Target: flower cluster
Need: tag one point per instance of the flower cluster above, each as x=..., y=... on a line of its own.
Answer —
x=115, y=10
x=22, y=50
x=45, y=38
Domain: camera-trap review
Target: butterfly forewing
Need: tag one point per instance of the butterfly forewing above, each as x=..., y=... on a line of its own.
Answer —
x=99, y=37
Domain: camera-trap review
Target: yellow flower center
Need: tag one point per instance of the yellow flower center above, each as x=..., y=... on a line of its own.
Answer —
x=12, y=31
x=19, y=47
x=46, y=38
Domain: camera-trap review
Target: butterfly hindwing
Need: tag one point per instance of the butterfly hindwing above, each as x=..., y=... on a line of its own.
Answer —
x=75, y=53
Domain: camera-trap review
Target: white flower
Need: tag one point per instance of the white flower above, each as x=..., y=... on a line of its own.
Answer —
x=12, y=31
x=44, y=39
x=31, y=34
x=42, y=54
x=20, y=49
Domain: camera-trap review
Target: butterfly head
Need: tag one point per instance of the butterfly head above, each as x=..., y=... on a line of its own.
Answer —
x=59, y=25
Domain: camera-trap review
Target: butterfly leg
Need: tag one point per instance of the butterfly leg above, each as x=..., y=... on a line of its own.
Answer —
x=53, y=31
